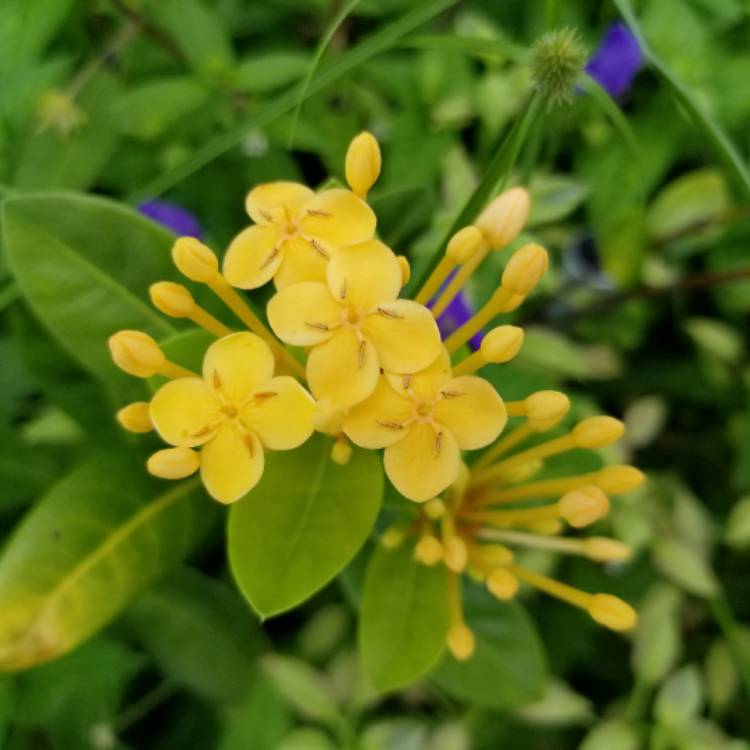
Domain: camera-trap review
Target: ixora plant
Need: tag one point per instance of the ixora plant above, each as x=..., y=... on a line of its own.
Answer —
x=346, y=356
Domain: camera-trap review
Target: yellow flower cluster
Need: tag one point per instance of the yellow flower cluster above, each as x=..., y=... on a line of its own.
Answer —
x=379, y=376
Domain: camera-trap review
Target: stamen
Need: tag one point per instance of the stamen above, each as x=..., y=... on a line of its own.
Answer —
x=362, y=354
x=216, y=380
x=319, y=326
x=391, y=425
x=406, y=382
x=247, y=439
x=203, y=431
x=438, y=444
x=317, y=212
x=344, y=289
x=389, y=313
x=268, y=216
x=271, y=257
x=319, y=248
x=451, y=394
x=263, y=395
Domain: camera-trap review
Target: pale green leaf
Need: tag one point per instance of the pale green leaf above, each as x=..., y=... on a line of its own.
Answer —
x=681, y=697
x=684, y=566
x=302, y=524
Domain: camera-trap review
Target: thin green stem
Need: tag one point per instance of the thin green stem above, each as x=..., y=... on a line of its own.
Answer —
x=135, y=712
x=720, y=141
x=379, y=42
x=333, y=27
x=725, y=619
x=494, y=179
x=638, y=700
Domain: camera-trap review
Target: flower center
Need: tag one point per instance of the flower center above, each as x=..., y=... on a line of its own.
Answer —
x=423, y=411
x=229, y=411
x=351, y=317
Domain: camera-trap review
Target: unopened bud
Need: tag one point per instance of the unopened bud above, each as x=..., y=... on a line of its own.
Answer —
x=501, y=344
x=548, y=527
x=460, y=641
x=502, y=221
x=455, y=553
x=172, y=299
x=597, y=432
x=194, y=260
x=392, y=537
x=612, y=612
x=363, y=162
x=603, y=549
x=135, y=417
x=502, y=584
x=495, y=555
x=464, y=244
x=428, y=550
x=341, y=451
x=136, y=353
x=544, y=409
x=173, y=463
x=583, y=506
x=617, y=479
x=434, y=509
x=403, y=263
x=525, y=267
x=522, y=472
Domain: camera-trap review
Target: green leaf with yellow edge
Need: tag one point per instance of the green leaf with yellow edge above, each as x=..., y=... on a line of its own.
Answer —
x=508, y=667
x=98, y=538
x=302, y=524
x=201, y=633
x=84, y=265
x=404, y=617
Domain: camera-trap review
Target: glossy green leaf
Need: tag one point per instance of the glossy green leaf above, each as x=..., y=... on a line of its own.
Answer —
x=302, y=524
x=201, y=633
x=508, y=667
x=84, y=264
x=99, y=537
x=403, y=618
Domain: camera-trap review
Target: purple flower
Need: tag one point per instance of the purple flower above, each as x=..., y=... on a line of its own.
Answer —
x=617, y=60
x=456, y=314
x=173, y=217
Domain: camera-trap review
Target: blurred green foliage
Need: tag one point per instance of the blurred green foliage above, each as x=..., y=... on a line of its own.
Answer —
x=644, y=313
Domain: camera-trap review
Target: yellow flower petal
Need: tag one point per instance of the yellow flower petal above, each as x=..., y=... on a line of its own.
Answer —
x=364, y=275
x=184, y=412
x=253, y=257
x=424, y=463
x=381, y=419
x=303, y=314
x=472, y=410
x=277, y=202
x=280, y=412
x=302, y=262
x=344, y=369
x=338, y=218
x=424, y=385
x=405, y=336
x=235, y=365
x=231, y=464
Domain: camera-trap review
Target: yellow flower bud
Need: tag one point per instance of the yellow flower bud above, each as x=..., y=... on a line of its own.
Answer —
x=546, y=408
x=525, y=267
x=501, y=344
x=392, y=537
x=194, y=260
x=549, y=527
x=618, y=479
x=495, y=555
x=602, y=549
x=583, y=506
x=434, y=508
x=502, y=221
x=341, y=451
x=173, y=463
x=502, y=584
x=597, y=432
x=522, y=472
x=136, y=353
x=172, y=299
x=455, y=553
x=428, y=550
x=612, y=612
x=363, y=163
x=460, y=641
x=464, y=244
x=403, y=262
x=135, y=417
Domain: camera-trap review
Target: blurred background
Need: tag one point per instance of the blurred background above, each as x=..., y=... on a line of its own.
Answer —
x=177, y=107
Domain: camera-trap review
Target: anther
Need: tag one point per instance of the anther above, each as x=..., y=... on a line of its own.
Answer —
x=389, y=313
x=362, y=354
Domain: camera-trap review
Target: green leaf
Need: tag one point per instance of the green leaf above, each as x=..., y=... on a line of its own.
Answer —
x=550, y=353
x=53, y=160
x=559, y=706
x=201, y=634
x=149, y=109
x=508, y=667
x=84, y=264
x=404, y=617
x=553, y=197
x=302, y=687
x=737, y=533
x=681, y=697
x=302, y=524
x=268, y=71
x=657, y=643
x=100, y=536
x=26, y=26
x=684, y=566
x=693, y=200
